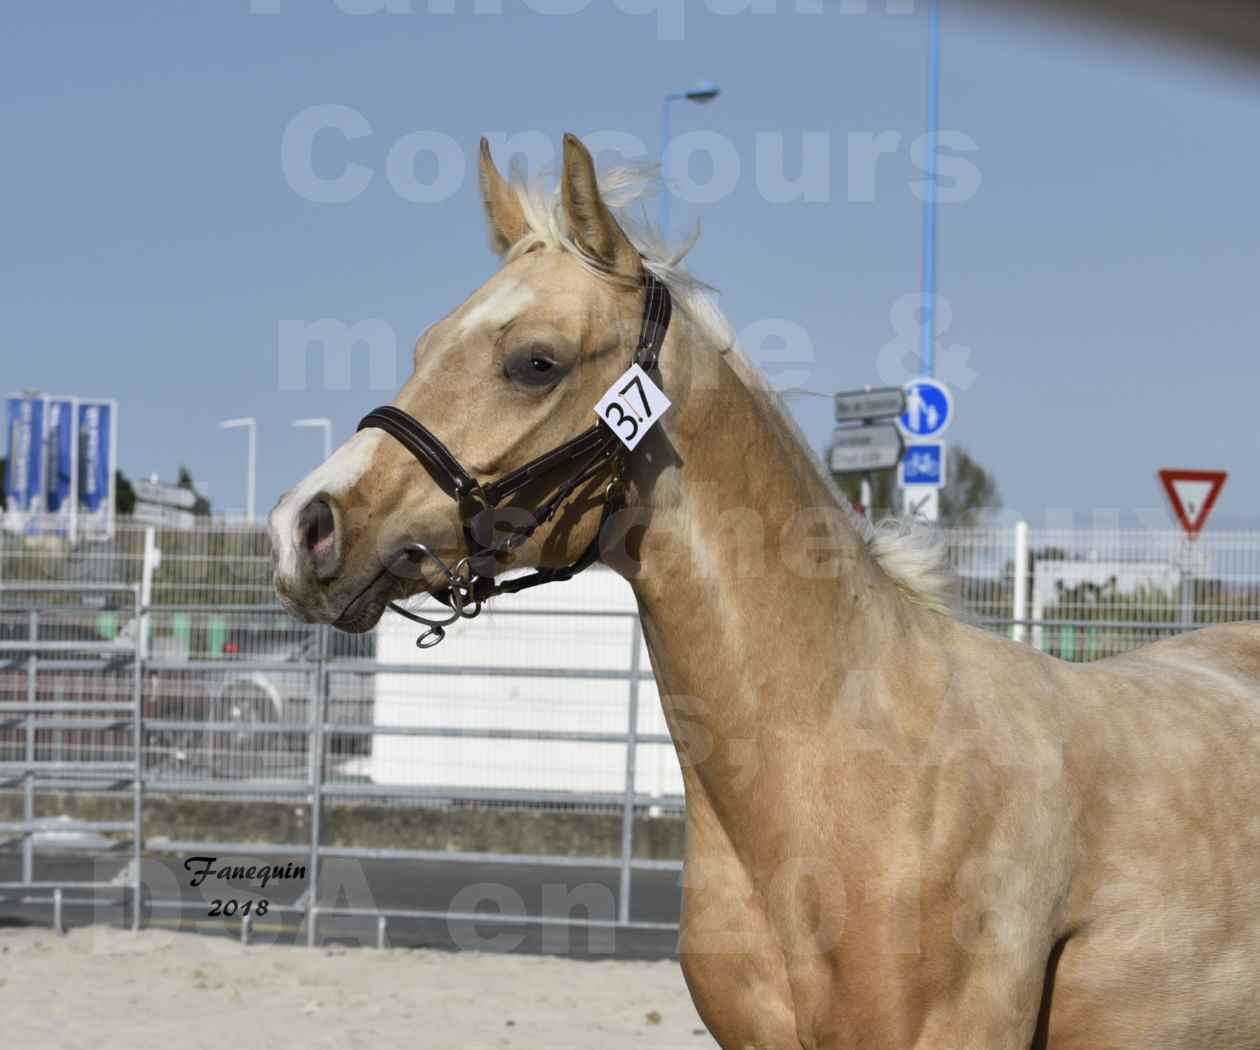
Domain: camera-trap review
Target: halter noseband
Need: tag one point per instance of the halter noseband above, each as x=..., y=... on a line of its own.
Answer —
x=471, y=581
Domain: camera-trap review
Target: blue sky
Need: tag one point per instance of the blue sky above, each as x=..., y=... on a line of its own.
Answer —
x=1102, y=276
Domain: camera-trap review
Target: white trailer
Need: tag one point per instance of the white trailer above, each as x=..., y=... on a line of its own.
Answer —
x=556, y=659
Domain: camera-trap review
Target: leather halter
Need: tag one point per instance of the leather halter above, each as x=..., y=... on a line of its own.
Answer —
x=471, y=581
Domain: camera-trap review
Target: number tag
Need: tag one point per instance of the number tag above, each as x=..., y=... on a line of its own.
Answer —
x=632, y=406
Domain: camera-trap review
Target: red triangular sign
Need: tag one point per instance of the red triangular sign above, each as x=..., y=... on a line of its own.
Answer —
x=1192, y=494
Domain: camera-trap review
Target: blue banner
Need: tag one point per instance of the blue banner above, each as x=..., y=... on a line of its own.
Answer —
x=24, y=476
x=96, y=467
x=61, y=449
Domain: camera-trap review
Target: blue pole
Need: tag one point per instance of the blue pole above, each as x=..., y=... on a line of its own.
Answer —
x=927, y=350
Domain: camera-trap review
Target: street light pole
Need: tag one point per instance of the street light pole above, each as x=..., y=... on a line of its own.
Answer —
x=321, y=424
x=251, y=473
x=704, y=91
x=927, y=349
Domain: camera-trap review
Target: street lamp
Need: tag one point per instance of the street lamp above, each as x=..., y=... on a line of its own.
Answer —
x=322, y=424
x=251, y=477
x=703, y=91
x=927, y=344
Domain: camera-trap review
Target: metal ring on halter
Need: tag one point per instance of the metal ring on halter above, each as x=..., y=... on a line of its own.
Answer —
x=459, y=585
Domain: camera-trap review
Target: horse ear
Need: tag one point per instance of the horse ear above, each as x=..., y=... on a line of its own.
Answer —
x=504, y=215
x=590, y=222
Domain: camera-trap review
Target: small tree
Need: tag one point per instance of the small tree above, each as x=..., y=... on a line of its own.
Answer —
x=969, y=491
x=202, y=507
x=124, y=494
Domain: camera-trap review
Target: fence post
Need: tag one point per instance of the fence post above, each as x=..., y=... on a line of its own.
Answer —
x=28, y=778
x=152, y=562
x=315, y=778
x=1019, y=600
x=1187, y=586
x=632, y=751
x=137, y=728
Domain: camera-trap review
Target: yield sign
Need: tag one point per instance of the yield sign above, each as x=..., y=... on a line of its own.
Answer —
x=1192, y=494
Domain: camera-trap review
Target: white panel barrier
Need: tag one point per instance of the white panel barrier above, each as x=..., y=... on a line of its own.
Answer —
x=553, y=660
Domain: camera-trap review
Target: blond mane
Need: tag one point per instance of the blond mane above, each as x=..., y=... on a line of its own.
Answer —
x=913, y=556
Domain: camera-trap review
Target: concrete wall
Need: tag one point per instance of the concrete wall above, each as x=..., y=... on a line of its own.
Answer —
x=471, y=829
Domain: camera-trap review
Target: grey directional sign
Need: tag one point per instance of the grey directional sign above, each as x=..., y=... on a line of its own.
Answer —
x=870, y=404
x=874, y=447
x=166, y=495
x=164, y=517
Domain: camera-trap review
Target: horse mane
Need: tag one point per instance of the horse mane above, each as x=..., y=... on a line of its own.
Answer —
x=911, y=555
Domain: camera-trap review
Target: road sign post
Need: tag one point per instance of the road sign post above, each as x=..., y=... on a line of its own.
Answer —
x=865, y=445
x=865, y=405
x=858, y=450
x=929, y=408
x=1192, y=494
x=923, y=465
x=866, y=495
x=167, y=506
x=167, y=495
x=165, y=517
x=921, y=474
x=922, y=503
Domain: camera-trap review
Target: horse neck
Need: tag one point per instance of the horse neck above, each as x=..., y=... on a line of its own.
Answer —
x=757, y=593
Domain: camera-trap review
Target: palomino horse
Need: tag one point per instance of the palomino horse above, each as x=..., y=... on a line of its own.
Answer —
x=902, y=831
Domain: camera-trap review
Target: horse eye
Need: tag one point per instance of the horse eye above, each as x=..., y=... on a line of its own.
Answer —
x=532, y=366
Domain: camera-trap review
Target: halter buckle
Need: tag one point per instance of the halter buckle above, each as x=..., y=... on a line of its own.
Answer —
x=615, y=490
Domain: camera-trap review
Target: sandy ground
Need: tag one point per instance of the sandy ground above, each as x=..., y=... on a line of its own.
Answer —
x=105, y=989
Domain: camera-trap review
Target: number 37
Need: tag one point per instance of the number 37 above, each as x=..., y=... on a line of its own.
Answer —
x=632, y=406
x=623, y=416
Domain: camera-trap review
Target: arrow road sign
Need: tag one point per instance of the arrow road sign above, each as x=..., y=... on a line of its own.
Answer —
x=858, y=449
x=923, y=503
x=167, y=495
x=870, y=404
x=1193, y=495
x=165, y=517
x=929, y=408
x=923, y=465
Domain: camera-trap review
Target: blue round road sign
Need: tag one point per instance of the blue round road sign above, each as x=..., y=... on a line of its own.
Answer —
x=929, y=408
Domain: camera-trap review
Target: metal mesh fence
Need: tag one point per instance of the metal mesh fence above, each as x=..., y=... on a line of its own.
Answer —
x=529, y=705
x=984, y=561
x=1096, y=593
x=215, y=564
x=65, y=658
x=174, y=681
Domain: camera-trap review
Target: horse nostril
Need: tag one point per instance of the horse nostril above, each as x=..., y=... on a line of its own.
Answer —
x=317, y=527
